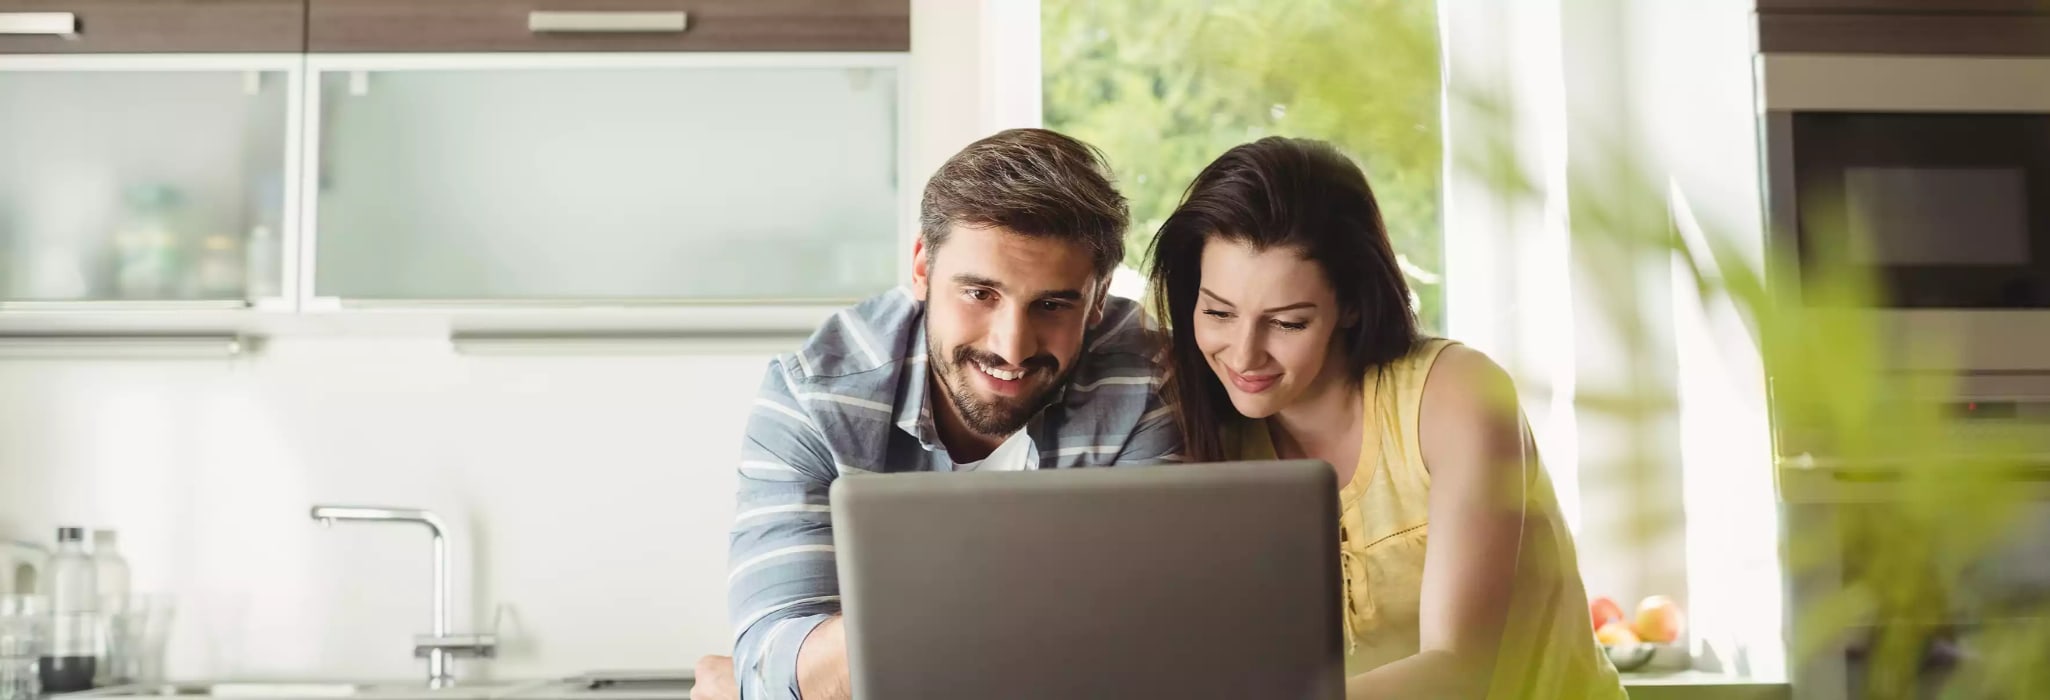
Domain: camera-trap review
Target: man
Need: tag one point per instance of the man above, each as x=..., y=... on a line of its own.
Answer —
x=1005, y=353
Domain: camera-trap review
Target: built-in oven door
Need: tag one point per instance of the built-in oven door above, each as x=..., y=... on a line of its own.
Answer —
x=1943, y=210
x=1928, y=609
x=1941, y=547
x=1929, y=177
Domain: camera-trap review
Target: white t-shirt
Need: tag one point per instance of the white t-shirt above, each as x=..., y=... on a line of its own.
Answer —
x=1014, y=455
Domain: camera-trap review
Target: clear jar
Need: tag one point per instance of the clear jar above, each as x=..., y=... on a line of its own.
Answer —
x=110, y=577
x=24, y=640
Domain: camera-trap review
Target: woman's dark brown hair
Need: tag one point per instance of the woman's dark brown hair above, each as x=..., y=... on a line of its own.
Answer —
x=1279, y=193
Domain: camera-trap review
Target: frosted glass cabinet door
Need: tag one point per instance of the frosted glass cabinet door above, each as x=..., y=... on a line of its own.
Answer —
x=640, y=184
x=142, y=186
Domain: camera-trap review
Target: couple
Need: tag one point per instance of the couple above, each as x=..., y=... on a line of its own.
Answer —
x=1292, y=336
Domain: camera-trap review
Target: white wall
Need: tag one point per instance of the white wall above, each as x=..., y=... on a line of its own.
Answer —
x=589, y=495
x=1694, y=97
x=1632, y=530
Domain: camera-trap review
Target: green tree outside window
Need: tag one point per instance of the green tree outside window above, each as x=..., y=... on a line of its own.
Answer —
x=1166, y=86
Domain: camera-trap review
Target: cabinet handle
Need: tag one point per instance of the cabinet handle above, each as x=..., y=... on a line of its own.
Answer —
x=121, y=347
x=39, y=23
x=623, y=342
x=606, y=22
x=2015, y=467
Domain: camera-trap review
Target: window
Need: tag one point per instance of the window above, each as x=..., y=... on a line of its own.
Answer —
x=1166, y=86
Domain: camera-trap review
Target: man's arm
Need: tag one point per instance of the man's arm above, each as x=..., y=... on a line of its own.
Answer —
x=782, y=584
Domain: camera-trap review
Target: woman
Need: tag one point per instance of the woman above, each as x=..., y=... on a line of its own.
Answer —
x=1292, y=328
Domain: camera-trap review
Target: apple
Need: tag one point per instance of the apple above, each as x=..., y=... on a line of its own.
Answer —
x=1659, y=620
x=1616, y=634
x=1604, y=611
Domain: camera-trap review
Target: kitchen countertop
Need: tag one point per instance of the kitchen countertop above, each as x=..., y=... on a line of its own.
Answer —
x=621, y=685
x=1675, y=685
x=1702, y=685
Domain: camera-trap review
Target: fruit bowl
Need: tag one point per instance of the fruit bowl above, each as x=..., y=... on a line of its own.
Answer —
x=1648, y=656
x=1630, y=657
x=1651, y=640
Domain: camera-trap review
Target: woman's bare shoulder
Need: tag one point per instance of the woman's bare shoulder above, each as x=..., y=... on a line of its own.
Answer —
x=1464, y=375
x=1469, y=408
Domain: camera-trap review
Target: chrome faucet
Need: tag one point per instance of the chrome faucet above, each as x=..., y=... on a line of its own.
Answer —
x=439, y=646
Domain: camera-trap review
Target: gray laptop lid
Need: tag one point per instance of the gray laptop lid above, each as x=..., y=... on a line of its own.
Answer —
x=1175, y=581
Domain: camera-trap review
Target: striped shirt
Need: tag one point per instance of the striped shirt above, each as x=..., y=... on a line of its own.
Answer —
x=854, y=400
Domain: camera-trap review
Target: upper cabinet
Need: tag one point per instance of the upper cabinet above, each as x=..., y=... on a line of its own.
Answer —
x=152, y=26
x=133, y=183
x=146, y=151
x=618, y=179
x=1915, y=6
x=571, y=153
x=417, y=26
x=323, y=154
x=1914, y=27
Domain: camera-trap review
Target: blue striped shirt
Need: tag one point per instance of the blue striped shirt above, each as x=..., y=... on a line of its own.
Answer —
x=854, y=400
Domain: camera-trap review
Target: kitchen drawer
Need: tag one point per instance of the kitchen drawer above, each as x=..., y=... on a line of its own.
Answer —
x=152, y=26
x=346, y=26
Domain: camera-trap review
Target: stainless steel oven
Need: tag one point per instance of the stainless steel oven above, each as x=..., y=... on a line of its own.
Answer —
x=1959, y=541
x=1931, y=174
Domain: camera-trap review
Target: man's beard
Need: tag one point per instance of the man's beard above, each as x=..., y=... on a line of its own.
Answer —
x=997, y=418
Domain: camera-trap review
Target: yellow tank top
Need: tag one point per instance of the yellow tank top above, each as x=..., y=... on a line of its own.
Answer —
x=1548, y=651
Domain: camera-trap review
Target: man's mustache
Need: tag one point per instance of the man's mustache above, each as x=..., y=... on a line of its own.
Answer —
x=964, y=355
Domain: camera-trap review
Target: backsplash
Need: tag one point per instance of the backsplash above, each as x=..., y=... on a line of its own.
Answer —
x=588, y=498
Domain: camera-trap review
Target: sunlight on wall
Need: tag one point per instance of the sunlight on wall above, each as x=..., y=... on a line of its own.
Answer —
x=1507, y=291
x=1733, y=567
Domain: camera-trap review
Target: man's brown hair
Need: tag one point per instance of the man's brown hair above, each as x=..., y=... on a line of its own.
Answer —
x=1033, y=182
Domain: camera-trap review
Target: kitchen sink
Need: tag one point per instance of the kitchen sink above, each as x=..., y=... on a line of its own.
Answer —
x=597, y=685
x=295, y=690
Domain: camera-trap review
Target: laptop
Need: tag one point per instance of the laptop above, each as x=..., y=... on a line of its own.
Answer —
x=1173, y=581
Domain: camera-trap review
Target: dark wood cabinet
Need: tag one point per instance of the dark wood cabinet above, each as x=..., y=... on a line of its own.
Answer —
x=152, y=26
x=1927, y=7
x=1961, y=35
x=607, y=25
x=435, y=26
x=1909, y=27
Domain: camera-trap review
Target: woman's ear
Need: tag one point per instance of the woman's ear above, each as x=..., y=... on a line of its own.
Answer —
x=1349, y=319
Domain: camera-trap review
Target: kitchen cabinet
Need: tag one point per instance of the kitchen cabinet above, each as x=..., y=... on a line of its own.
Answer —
x=2020, y=7
x=152, y=26
x=140, y=182
x=146, y=148
x=316, y=155
x=603, y=180
x=1952, y=27
x=608, y=25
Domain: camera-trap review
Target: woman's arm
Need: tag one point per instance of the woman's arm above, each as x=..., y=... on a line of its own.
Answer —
x=1477, y=452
